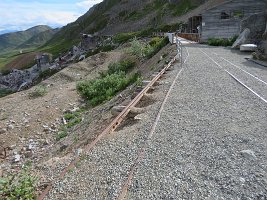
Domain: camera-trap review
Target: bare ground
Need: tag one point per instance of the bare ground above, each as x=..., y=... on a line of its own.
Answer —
x=33, y=123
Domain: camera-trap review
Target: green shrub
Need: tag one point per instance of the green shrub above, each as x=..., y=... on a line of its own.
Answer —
x=100, y=90
x=74, y=122
x=124, y=37
x=61, y=135
x=158, y=45
x=18, y=186
x=142, y=50
x=137, y=48
x=123, y=66
x=222, y=41
x=39, y=91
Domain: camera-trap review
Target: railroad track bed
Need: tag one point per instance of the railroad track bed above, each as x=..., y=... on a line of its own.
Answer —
x=209, y=140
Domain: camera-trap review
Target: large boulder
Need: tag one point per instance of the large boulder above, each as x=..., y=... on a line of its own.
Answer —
x=257, y=25
x=243, y=38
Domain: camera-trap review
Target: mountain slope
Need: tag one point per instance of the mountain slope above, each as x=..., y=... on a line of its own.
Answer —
x=39, y=39
x=10, y=41
x=114, y=16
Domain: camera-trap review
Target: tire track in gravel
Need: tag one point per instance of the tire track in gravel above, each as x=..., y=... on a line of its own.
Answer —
x=258, y=88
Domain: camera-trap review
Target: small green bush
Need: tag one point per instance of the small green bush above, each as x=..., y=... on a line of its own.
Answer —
x=124, y=37
x=74, y=122
x=61, y=135
x=222, y=41
x=123, y=66
x=39, y=91
x=18, y=186
x=143, y=50
x=157, y=46
x=100, y=90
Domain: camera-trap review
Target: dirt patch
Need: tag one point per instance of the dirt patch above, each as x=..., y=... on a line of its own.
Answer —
x=22, y=61
x=33, y=124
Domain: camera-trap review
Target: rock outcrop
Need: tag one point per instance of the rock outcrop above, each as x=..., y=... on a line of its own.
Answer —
x=243, y=38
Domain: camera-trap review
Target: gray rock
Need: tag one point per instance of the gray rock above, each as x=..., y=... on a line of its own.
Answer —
x=248, y=154
x=17, y=158
x=2, y=130
x=257, y=25
x=10, y=127
x=242, y=39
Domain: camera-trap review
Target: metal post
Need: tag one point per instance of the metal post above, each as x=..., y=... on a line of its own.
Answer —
x=179, y=50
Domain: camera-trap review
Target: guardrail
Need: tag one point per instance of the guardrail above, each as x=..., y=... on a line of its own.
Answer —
x=190, y=36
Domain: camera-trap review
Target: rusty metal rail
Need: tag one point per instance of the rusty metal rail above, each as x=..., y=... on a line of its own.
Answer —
x=113, y=125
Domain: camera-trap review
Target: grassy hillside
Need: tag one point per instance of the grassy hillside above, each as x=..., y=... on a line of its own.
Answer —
x=38, y=40
x=115, y=16
x=10, y=41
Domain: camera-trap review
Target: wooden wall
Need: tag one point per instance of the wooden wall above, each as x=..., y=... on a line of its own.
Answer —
x=215, y=27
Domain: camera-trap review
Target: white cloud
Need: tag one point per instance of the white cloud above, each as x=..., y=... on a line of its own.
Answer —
x=88, y=3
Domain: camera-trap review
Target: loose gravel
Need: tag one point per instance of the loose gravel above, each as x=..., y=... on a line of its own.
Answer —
x=102, y=172
x=210, y=142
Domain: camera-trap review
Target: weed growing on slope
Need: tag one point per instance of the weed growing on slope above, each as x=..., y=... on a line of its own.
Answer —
x=18, y=186
x=103, y=89
x=143, y=50
x=39, y=91
x=222, y=41
x=124, y=66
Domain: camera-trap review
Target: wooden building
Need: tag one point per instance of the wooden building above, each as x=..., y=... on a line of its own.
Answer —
x=224, y=21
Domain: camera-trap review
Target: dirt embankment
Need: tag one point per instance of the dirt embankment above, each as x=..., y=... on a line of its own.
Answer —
x=31, y=125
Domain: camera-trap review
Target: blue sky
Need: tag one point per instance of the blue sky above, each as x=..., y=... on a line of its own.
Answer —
x=23, y=14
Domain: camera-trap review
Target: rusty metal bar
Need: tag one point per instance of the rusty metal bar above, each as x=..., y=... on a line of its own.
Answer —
x=113, y=125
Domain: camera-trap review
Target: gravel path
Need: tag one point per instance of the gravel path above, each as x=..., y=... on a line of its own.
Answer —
x=102, y=172
x=210, y=142
x=235, y=62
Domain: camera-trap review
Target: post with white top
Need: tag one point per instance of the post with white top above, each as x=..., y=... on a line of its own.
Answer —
x=179, y=50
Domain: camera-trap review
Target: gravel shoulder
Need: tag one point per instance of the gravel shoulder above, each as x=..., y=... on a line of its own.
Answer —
x=102, y=171
x=210, y=142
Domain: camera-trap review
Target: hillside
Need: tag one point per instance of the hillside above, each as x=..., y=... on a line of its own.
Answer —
x=24, y=39
x=114, y=16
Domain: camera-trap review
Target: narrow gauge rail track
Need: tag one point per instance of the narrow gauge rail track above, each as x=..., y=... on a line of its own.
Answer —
x=140, y=156
x=110, y=128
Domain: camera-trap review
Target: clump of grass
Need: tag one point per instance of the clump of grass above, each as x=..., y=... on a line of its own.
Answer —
x=123, y=66
x=222, y=41
x=103, y=89
x=143, y=50
x=39, y=91
x=72, y=120
x=18, y=186
x=61, y=134
x=124, y=37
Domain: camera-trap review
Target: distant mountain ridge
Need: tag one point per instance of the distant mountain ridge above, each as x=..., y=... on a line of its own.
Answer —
x=7, y=31
x=30, y=38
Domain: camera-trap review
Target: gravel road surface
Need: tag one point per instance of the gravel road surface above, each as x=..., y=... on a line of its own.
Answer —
x=210, y=142
x=211, y=139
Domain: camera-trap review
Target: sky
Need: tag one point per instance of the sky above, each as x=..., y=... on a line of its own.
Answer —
x=23, y=14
